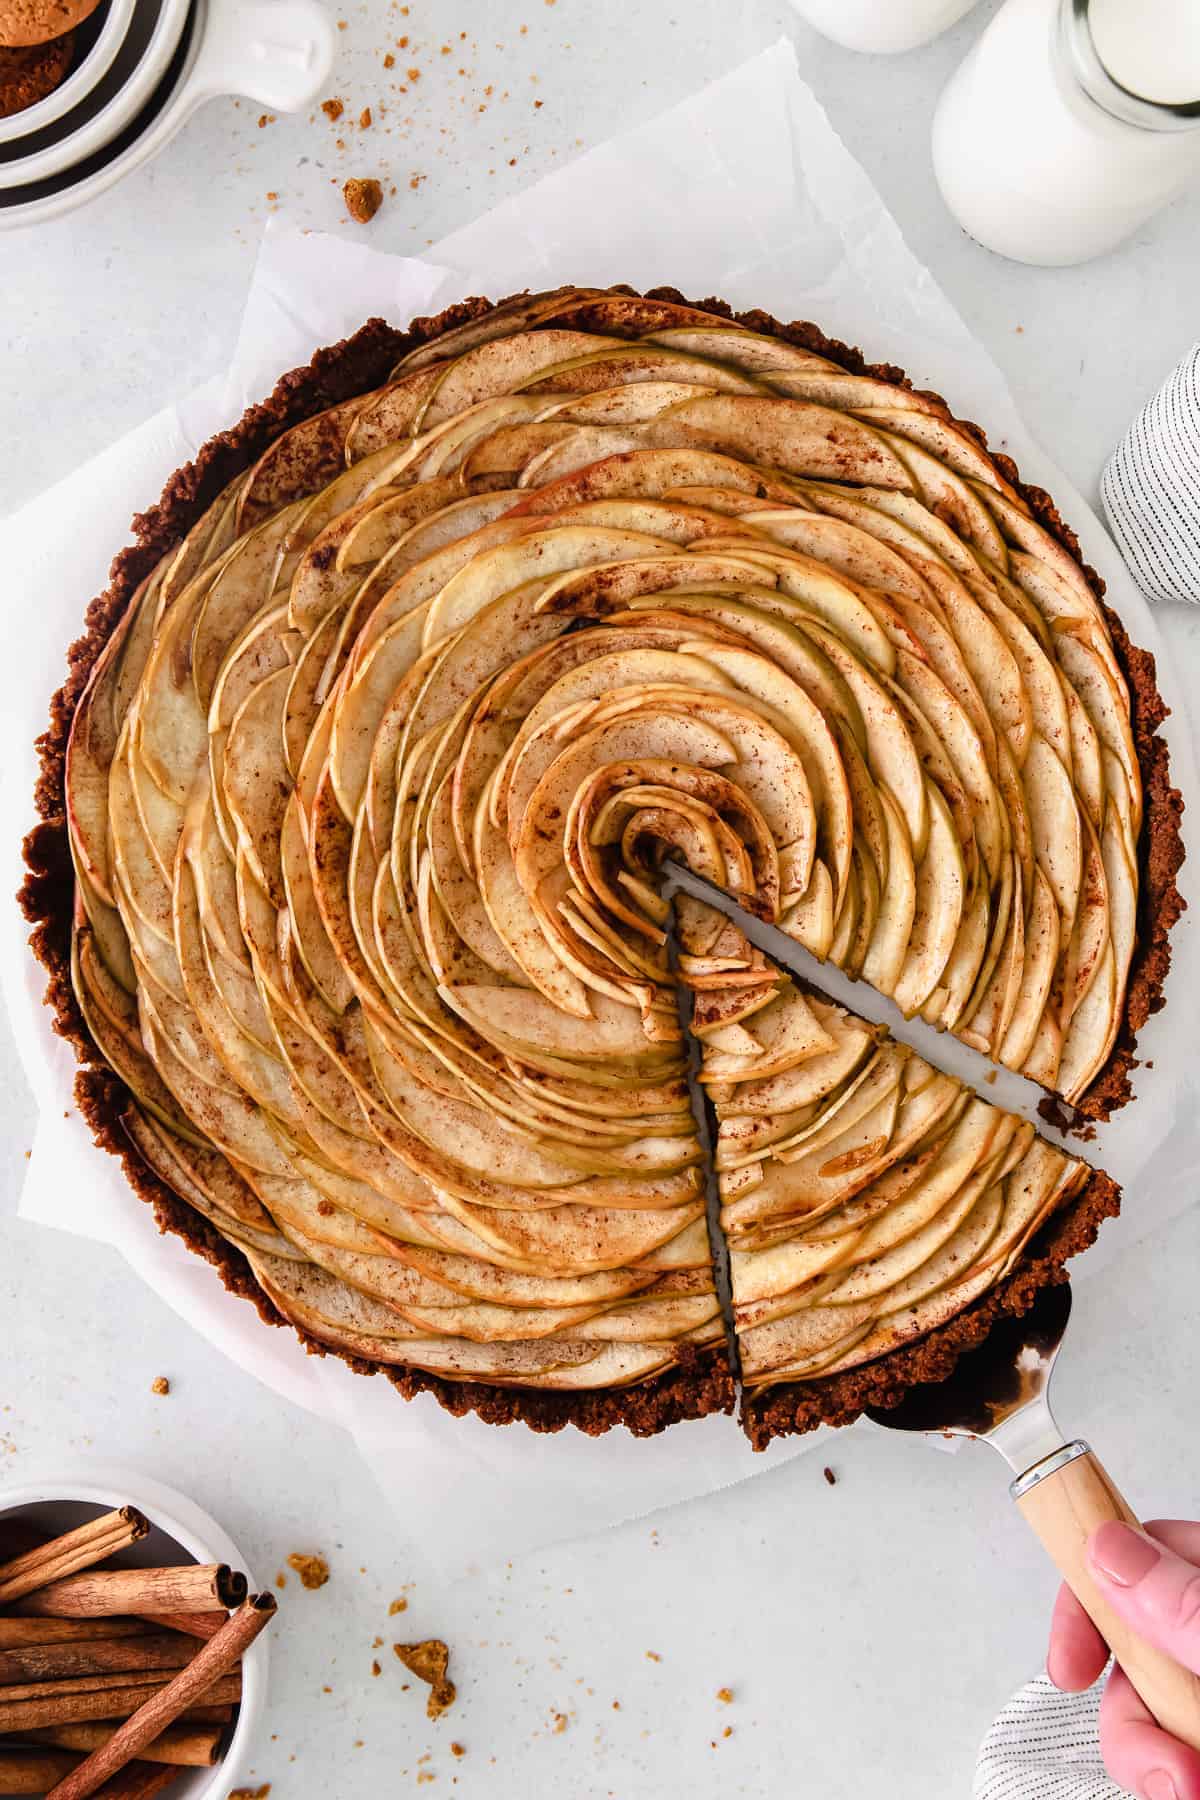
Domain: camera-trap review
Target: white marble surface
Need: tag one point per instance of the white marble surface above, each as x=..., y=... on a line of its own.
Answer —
x=868, y=1631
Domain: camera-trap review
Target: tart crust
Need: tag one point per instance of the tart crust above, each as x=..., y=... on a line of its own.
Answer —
x=703, y=1384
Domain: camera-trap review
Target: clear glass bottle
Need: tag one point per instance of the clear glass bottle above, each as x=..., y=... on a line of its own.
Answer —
x=882, y=26
x=1041, y=153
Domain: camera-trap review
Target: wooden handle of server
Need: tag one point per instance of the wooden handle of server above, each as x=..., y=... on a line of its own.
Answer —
x=1065, y=1507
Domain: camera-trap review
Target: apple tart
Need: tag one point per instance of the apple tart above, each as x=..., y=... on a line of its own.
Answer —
x=357, y=807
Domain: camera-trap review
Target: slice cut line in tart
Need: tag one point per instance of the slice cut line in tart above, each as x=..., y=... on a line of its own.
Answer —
x=355, y=809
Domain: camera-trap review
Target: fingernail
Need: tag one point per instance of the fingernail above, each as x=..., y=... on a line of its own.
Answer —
x=1160, y=1786
x=1126, y=1557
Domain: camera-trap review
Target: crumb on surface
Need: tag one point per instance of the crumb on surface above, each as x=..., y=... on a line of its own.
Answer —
x=653, y=1656
x=428, y=1661
x=160, y=1385
x=312, y=1570
x=560, y=1724
x=333, y=109
x=397, y=1606
x=246, y=1793
x=363, y=196
x=457, y=1749
x=389, y=61
x=829, y=1475
x=280, y=1579
x=376, y=1666
x=364, y=118
x=725, y=1695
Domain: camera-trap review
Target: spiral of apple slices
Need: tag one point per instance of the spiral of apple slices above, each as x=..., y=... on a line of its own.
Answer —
x=370, y=791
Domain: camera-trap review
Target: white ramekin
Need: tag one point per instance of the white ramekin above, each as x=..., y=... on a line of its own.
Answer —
x=193, y=1537
x=91, y=69
x=276, y=52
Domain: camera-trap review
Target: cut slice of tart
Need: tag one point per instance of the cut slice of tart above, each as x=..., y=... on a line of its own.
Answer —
x=874, y=1208
x=355, y=806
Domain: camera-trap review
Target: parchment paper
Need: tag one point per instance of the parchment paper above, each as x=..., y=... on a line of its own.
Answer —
x=812, y=240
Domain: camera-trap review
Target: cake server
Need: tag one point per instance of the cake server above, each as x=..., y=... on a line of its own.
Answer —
x=999, y=1394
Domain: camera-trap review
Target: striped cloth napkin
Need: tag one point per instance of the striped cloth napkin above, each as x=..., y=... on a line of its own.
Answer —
x=1151, y=488
x=1045, y=1745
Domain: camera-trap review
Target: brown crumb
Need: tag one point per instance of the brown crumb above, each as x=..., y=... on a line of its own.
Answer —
x=343, y=25
x=402, y=42
x=327, y=1690
x=271, y=194
x=616, y=1706
x=653, y=1656
x=426, y=1775
x=281, y=1579
x=445, y=49
x=258, y=1793
x=413, y=74
x=728, y=1731
x=312, y=1570
x=830, y=1477
x=160, y=1385
x=538, y=104
x=333, y=109
x=376, y=1668
x=990, y=1077
x=458, y=1750
x=364, y=118
x=428, y=1661
x=265, y=119
x=560, y=1724
x=725, y=1695
x=397, y=1606
x=377, y=1644
x=389, y=61
x=363, y=197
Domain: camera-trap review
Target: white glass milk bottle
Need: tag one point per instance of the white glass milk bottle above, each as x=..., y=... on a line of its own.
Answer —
x=882, y=25
x=1070, y=123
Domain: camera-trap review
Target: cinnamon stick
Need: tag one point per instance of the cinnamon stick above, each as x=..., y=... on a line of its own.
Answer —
x=184, y=1746
x=71, y=1703
x=16, y=1634
x=53, y=1662
x=210, y=1663
x=81, y=1684
x=137, y=1782
x=197, y=1624
x=206, y=1715
x=75, y=1550
x=33, y=1771
x=192, y=1587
